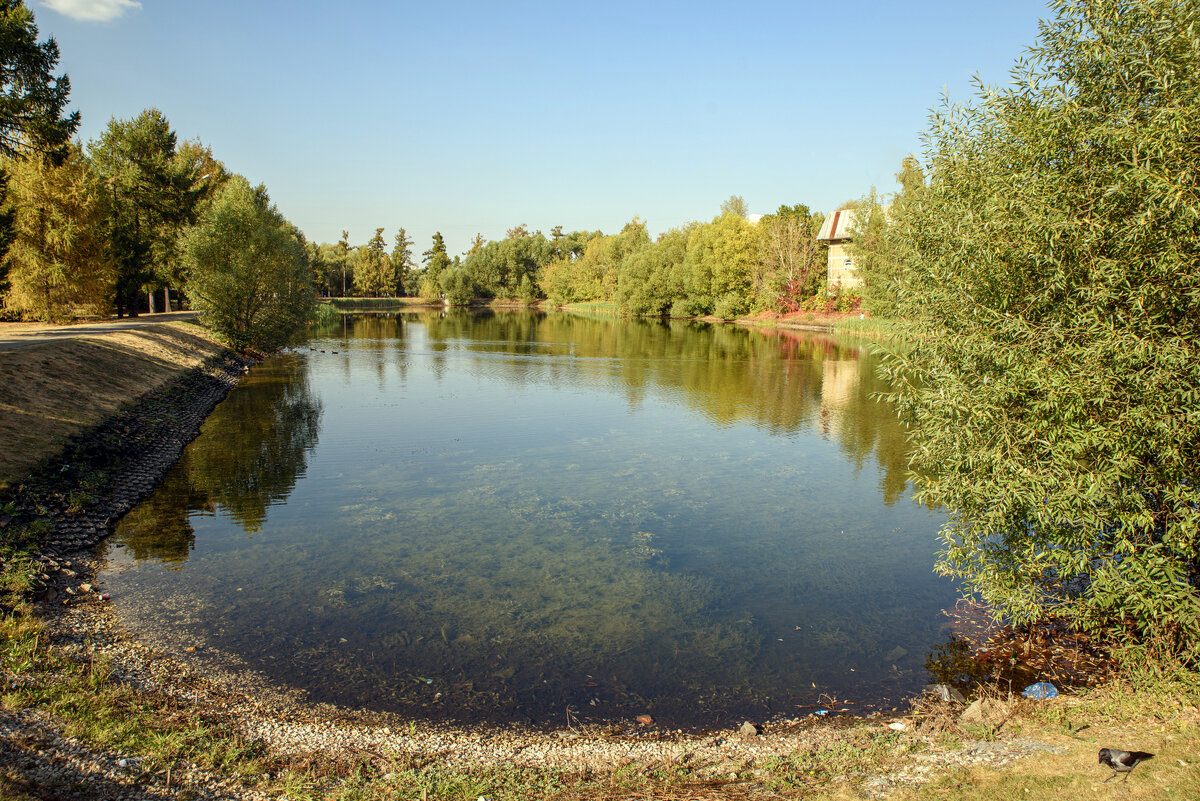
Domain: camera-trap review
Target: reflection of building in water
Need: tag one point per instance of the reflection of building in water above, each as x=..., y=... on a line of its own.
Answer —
x=839, y=377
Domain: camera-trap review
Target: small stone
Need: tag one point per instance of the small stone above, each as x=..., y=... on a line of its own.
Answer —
x=749, y=729
x=85, y=587
x=896, y=725
x=645, y=720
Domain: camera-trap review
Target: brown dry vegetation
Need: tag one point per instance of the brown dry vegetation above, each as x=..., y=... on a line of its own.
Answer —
x=51, y=391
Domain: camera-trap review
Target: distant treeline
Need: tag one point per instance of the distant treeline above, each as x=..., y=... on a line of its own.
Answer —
x=728, y=267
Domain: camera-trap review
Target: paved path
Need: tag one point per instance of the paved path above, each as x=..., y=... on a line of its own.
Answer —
x=21, y=335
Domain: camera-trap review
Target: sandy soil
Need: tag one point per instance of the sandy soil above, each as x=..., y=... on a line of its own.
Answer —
x=62, y=380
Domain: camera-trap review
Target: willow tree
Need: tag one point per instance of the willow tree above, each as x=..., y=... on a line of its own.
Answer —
x=247, y=269
x=1052, y=277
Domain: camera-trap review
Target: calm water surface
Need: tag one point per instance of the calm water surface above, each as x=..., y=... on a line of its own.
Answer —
x=529, y=517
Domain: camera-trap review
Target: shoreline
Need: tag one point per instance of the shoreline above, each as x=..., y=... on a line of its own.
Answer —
x=80, y=625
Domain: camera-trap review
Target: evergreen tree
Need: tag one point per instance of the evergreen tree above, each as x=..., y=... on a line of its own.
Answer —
x=31, y=98
x=343, y=250
x=152, y=194
x=402, y=262
x=436, y=262
x=31, y=103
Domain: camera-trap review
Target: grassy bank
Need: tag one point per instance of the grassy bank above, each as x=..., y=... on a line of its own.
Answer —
x=52, y=391
x=378, y=304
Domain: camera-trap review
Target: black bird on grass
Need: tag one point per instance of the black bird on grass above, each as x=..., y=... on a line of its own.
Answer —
x=1122, y=761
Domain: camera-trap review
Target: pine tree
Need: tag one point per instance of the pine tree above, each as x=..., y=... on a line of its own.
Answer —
x=402, y=262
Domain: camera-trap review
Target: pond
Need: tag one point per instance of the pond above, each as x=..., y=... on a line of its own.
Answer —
x=548, y=518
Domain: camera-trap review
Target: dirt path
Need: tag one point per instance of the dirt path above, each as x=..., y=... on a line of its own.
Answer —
x=22, y=335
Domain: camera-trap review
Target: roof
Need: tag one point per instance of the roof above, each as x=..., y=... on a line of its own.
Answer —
x=836, y=226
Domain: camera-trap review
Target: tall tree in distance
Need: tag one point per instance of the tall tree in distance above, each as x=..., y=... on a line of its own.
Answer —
x=736, y=206
x=477, y=243
x=402, y=263
x=436, y=262
x=373, y=273
x=343, y=247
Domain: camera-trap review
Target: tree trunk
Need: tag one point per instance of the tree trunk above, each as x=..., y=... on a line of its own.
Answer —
x=153, y=301
x=167, y=298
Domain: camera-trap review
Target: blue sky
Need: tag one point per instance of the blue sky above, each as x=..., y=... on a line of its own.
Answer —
x=470, y=117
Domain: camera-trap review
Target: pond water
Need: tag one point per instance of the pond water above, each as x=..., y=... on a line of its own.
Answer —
x=548, y=518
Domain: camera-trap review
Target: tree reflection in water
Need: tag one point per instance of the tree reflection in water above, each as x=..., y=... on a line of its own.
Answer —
x=241, y=475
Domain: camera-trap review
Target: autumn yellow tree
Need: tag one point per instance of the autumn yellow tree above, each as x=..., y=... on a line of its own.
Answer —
x=58, y=262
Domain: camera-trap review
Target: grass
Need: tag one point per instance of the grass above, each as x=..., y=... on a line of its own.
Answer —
x=599, y=308
x=377, y=304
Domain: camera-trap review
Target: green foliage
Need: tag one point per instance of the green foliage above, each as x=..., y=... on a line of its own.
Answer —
x=152, y=197
x=501, y=268
x=247, y=269
x=645, y=284
x=791, y=265
x=436, y=261
x=402, y=263
x=721, y=259
x=877, y=250
x=374, y=272
x=1050, y=273
x=577, y=277
x=31, y=98
x=59, y=261
x=736, y=206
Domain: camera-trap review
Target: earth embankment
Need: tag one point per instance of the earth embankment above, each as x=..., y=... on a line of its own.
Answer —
x=57, y=383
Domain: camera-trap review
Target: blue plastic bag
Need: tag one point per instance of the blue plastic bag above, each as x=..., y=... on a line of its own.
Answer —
x=1043, y=689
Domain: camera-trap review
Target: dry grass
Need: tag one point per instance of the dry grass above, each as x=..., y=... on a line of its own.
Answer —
x=52, y=391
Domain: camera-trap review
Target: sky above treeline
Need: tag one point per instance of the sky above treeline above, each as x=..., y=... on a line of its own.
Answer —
x=474, y=117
